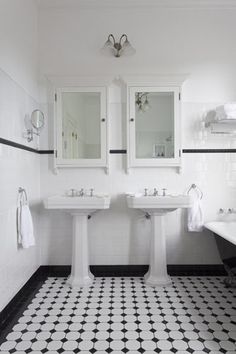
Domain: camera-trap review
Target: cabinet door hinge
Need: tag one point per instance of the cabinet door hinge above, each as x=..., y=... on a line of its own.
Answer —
x=55, y=97
x=55, y=153
x=179, y=153
x=179, y=96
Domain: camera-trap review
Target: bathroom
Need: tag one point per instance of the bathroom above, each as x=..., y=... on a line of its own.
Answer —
x=50, y=44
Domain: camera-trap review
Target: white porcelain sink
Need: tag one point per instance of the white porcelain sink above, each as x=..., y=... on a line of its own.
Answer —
x=159, y=204
x=84, y=204
x=79, y=208
x=157, y=207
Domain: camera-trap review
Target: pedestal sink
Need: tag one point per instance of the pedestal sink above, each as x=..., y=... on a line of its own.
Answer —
x=80, y=208
x=157, y=207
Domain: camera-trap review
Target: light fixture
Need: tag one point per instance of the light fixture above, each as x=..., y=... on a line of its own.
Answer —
x=142, y=101
x=37, y=123
x=121, y=47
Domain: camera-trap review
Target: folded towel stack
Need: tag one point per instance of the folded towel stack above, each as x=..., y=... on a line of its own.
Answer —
x=226, y=112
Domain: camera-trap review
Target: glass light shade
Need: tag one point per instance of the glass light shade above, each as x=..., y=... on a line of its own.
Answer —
x=108, y=44
x=145, y=105
x=108, y=48
x=127, y=48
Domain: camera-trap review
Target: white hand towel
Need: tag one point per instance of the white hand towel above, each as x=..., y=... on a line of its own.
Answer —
x=195, y=216
x=25, y=227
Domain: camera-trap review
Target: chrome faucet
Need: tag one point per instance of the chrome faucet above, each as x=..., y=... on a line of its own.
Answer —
x=145, y=192
x=155, y=192
x=81, y=192
x=91, y=192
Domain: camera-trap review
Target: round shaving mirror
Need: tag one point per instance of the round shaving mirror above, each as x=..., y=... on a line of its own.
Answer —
x=37, y=119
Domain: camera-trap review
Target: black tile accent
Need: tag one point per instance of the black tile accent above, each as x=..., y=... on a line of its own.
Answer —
x=207, y=151
x=196, y=269
x=137, y=270
x=24, y=147
x=48, y=152
x=119, y=270
x=117, y=151
x=114, y=151
x=18, y=146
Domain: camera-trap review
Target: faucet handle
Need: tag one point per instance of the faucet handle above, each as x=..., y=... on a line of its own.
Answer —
x=81, y=192
x=73, y=192
x=155, y=192
x=163, y=192
x=145, y=192
x=91, y=192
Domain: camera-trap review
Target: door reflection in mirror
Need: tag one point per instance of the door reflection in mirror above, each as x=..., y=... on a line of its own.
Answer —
x=81, y=125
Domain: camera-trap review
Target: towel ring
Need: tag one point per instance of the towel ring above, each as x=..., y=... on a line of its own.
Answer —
x=22, y=195
x=196, y=189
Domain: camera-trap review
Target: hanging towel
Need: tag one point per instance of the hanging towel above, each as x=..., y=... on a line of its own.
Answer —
x=195, y=216
x=25, y=227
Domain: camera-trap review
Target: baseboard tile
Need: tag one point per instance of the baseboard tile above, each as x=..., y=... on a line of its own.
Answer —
x=138, y=270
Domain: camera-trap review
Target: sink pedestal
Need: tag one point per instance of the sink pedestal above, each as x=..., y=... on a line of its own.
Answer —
x=80, y=274
x=79, y=208
x=158, y=207
x=157, y=273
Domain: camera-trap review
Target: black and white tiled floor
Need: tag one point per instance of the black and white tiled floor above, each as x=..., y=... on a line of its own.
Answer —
x=123, y=315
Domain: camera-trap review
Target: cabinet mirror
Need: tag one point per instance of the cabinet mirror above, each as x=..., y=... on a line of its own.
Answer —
x=81, y=126
x=153, y=126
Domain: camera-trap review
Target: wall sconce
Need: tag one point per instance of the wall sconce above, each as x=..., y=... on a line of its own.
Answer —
x=121, y=47
x=142, y=101
x=37, y=122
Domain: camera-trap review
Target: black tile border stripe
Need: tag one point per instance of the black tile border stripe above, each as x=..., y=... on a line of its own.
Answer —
x=137, y=270
x=207, y=151
x=24, y=147
x=17, y=145
x=44, y=152
x=187, y=151
x=118, y=151
x=113, y=151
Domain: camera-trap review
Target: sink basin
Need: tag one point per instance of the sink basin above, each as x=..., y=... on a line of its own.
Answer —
x=159, y=204
x=157, y=207
x=84, y=204
x=79, y=208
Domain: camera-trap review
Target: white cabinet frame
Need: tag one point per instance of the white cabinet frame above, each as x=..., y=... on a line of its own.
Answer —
x=153, y=84
x=61, y=162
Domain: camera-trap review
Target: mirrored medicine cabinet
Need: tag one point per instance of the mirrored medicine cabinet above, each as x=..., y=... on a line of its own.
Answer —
x=81, y=127
x=153, y=125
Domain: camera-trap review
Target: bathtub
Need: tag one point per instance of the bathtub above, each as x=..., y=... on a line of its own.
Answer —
x=225, y=229
x=225, y=236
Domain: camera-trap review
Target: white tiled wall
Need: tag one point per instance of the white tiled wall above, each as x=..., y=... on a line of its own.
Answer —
x=121, y=236
x=196, y=42
x=18, y=168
